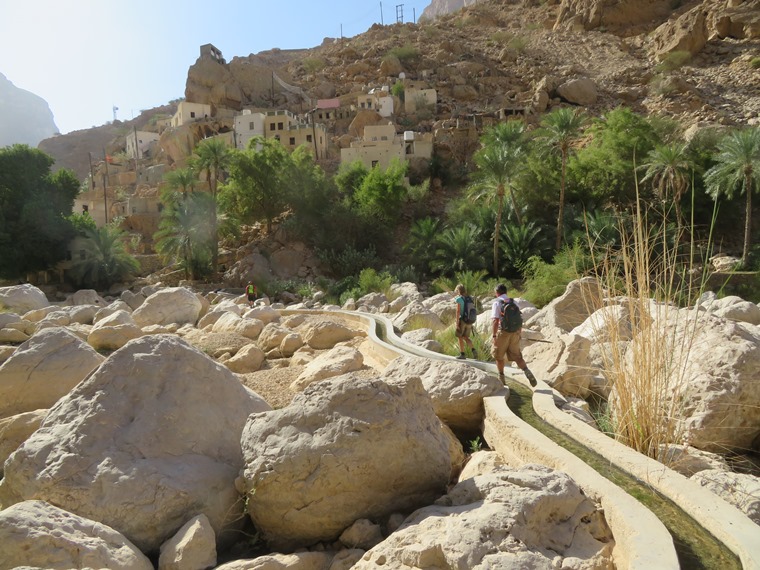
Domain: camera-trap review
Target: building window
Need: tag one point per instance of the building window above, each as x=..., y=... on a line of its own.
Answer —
x=276, y=137
x=383, y=138
x=250, y=126
x=160, y=207
x=292, y=141
x=308, y=138
x=134, y=210
x=375, y=163
x=192, y=114
x=279, y=126
x=85, y=208
x=271, y=126
x=328, y=115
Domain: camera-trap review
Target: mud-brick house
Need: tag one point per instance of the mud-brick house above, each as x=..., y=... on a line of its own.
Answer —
x=380, y=144
x=188, y=112
x=378, y=99
x=141, y=144
x=283, y=126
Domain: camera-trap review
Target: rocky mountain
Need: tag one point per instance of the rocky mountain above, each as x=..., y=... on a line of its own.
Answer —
x=25, y=118
x=694, y=61
x=441, y=7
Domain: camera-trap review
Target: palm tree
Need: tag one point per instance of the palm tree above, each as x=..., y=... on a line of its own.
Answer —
x=185, y=235
x=668, y=168
x=106, y=259
x=182, y=180
x=560, y=129
x=500, y=162
x=458, y=249
x=521, y=243
x=421, y=243
x=738, y=167
x=212, y=157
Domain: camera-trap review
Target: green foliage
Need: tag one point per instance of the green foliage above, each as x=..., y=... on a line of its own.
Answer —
x=458, y=249
x=737, y=169
x=674, y=60
x=405, y=53
x=182, y=180
x=520, y=243
x=106, y=259
x=517, y=43
x=382, y=193
x=370, y=281
x=475, y=445
x=547, y=281
x=350, y=177
x=420, y=245
x=604, y=170
x=258, y=183
x=349, y=260
x=185, y=234
x=34, y=210
x=313, y=64
x=474, y=283
x=81, y=223
x=754, y=63
x=398, y=90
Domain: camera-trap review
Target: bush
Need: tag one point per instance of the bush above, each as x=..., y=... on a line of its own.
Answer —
x=547, y=281
x=674, y=60
x=405, y=53
x=755, y=63
x=348, y=261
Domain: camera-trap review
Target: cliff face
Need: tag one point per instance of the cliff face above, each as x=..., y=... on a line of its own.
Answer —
x=25, y=118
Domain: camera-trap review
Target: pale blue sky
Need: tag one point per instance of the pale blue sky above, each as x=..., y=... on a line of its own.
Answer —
x=86, y=56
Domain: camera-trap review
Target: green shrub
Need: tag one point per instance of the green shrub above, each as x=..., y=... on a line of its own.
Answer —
x=674, y=60
x=313, y=64
x=398, y=90
x=349, y=260
x=517, y=44
x=546, y=281
x=755, y=63
x=405, y=53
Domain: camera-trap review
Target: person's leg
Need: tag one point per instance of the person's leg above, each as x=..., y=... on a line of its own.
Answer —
x=498, y=350
x=459, y=334
x=514, y=354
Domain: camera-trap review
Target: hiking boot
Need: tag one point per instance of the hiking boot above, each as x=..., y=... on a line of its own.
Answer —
x=474, y=354
x=461, y=356
x=501, y=377
x=530, y=377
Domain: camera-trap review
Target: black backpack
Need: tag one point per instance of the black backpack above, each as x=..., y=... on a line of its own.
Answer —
x=511, y=317
x=470, y=313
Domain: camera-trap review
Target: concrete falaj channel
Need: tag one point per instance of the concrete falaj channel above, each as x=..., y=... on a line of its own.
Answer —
x=518, y=427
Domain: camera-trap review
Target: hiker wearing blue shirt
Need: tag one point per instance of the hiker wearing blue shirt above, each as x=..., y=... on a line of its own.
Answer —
x=464, y=327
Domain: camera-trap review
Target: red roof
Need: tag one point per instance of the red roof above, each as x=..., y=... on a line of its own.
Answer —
x=328, y=103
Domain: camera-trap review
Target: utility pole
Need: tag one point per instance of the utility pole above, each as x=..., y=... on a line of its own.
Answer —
x=105, y=184
x=399, y=13
x=92, y=174
x=381, y=14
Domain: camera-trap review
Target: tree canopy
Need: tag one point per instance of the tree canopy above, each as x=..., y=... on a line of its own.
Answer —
x=34, y=208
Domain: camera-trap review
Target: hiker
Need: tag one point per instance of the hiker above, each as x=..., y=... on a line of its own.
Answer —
x=506, y=334
x=464, y=325
x=250, y=291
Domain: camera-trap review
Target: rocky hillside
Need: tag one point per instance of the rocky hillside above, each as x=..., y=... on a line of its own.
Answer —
x=694, y=61
x=25, y=118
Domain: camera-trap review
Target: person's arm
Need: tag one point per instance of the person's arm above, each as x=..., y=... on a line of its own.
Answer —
x=459, y=309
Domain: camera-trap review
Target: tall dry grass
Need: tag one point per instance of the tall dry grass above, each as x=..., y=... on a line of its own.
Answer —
x=645, y=282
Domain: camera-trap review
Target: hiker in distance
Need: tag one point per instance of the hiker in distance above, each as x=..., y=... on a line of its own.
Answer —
x=250, y=291
x=507, y=327
x=467, y=314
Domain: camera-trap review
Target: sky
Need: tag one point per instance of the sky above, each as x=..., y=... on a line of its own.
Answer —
x=85, y=57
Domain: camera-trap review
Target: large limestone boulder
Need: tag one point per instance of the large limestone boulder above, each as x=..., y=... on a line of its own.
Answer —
x=22, y=298
x=334, y=362
x=565, y=364
x=15, y=429
x=581, y=298
x=581, y=91
x=689, y=32
x=230, y=322
x=248, y=359
x=167, y=306
x=114, y=331
x=346, y=448
x=416, y=316
x=86, y=297
x=456, y=389
x=36, y=534
x=717, y=391
x=530, y=517
x=295, y=561
x=321, y=333
x=43, y=369
x=147, y=442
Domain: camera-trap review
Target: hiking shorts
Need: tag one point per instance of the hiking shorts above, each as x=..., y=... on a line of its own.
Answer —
x=463, y=330
x=507, y=344
x=252, y=297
